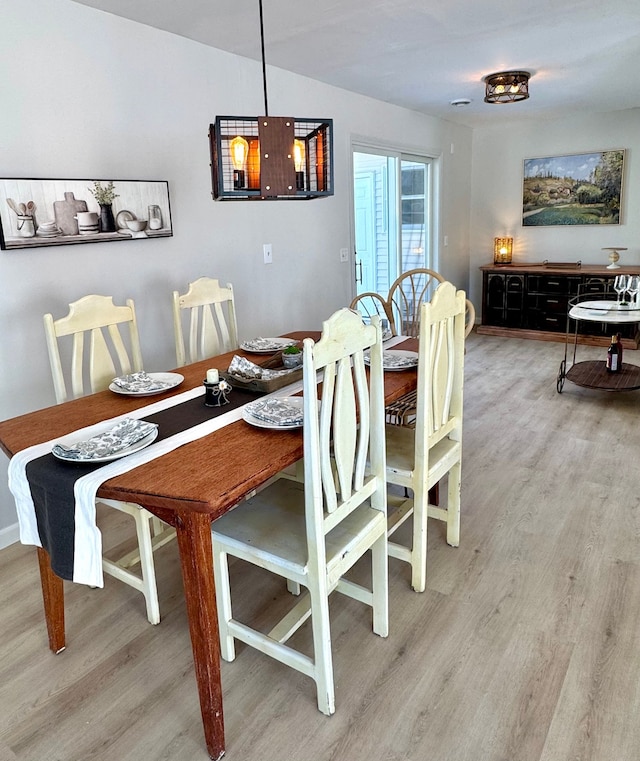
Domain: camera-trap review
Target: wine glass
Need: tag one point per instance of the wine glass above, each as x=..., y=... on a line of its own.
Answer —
x=620, y=286
x=633, y=286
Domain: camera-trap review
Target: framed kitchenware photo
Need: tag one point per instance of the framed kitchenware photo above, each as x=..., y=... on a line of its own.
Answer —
x=45, y=212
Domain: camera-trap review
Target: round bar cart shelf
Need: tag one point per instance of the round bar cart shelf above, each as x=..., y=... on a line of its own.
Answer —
x=593, y=373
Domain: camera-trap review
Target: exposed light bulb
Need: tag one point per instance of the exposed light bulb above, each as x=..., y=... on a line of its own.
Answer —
x=239, y=149
x=299, y=161
x=298, y=155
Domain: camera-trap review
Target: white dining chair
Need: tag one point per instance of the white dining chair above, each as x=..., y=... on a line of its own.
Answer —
x=312, y=534
x=211, y=325
x=97, y=321
x=417, y=458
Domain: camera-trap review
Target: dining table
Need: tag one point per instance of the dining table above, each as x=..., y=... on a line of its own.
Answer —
x=187, y=488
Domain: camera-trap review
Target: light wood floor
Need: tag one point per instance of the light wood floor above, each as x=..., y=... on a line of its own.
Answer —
x=523, y=648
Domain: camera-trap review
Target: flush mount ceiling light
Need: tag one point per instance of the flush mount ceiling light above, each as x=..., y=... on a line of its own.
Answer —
x=507, y=86
x=270, y=157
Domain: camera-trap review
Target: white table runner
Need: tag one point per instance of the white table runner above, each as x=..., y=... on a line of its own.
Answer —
x=88, y=539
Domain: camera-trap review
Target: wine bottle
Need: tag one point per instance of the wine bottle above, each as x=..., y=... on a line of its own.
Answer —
x=619, y=342
x=613, y=357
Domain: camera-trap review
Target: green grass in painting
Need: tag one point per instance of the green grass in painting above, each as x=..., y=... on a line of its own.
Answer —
x=568, y=215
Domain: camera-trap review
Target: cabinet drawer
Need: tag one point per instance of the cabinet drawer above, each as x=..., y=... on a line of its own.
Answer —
x=555, y=322
x=552, y=304
x=553, y=284
x=597, y=285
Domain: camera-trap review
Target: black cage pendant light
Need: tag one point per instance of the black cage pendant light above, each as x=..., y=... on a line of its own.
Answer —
x=270, y=157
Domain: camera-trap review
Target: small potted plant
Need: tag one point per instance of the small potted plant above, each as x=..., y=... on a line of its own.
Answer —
x=105, y=196
x=291, y=357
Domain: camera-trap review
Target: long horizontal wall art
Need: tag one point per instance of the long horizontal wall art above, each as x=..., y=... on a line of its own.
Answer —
x=36, y=212
x=576, y=189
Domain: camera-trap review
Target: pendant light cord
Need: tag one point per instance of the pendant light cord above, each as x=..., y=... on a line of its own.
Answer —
x=264, y=68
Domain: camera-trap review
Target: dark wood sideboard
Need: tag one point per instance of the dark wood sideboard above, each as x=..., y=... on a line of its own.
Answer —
x=531, y=301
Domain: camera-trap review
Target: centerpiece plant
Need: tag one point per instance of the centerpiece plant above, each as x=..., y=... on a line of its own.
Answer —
x=105, y=196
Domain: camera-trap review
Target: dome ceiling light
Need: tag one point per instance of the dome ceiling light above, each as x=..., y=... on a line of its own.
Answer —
x=507, y=86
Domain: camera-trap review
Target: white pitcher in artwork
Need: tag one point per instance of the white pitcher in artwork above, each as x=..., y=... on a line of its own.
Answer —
x=87, y=222
x=26, y=228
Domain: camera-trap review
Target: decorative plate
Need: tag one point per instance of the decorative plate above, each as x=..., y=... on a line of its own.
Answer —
x=145, y=384
x=266, y=345
x=119, y=440
x=396, y=360
x=284, y=412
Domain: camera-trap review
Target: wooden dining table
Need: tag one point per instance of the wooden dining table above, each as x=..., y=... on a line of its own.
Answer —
x=187, y=488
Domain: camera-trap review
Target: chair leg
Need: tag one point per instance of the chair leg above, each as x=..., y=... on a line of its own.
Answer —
x=157, y=525
x=223, y=601
x=323, y=661
x=379, y=587
x=419, y=545
x=453, y=506
x=147, y=569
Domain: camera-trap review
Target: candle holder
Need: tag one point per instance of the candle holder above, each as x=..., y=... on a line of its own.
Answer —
x=215, y=394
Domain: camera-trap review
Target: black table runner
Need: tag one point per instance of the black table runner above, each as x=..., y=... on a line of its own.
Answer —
x=52, y=481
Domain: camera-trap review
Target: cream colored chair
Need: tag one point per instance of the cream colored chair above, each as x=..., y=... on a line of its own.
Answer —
x=418, y=458
x=312, y=534
x=212, y=320
x=96, y=320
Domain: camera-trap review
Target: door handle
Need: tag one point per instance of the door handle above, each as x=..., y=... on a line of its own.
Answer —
x=356, y=265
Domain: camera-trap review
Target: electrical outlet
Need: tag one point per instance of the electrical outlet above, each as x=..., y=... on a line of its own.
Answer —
x=268, y=253
x=344, y=254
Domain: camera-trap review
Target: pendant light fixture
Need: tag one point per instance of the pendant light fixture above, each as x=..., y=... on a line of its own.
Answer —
x=270, y=157
x=507, y=87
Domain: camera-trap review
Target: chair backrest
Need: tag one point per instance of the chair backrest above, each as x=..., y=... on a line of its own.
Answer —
x=347, y=429
x=440, y=368
x=98, y=318
x=370, y=304
x=212, y=326
x=406, y=294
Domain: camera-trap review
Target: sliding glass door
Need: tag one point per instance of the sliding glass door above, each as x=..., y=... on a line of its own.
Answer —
x=392, y=217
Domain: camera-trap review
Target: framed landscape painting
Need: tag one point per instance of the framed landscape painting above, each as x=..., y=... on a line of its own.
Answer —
x=576, y=189
x=36, y=212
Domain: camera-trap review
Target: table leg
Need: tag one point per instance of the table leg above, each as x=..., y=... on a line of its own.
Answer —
x=53, y=598
x=194, y=543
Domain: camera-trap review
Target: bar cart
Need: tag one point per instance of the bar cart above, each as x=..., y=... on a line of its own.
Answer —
x=593, y=373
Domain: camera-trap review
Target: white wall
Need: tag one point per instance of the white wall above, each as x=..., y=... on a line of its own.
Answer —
x=498, y=155
x=90, y=95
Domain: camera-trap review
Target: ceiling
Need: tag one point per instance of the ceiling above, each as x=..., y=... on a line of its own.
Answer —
x=583, y=55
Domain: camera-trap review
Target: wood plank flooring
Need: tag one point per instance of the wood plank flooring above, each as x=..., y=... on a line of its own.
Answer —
x=525, y=646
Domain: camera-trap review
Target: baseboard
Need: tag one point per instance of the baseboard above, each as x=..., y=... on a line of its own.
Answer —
x=558, y=337
x=9, y=535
